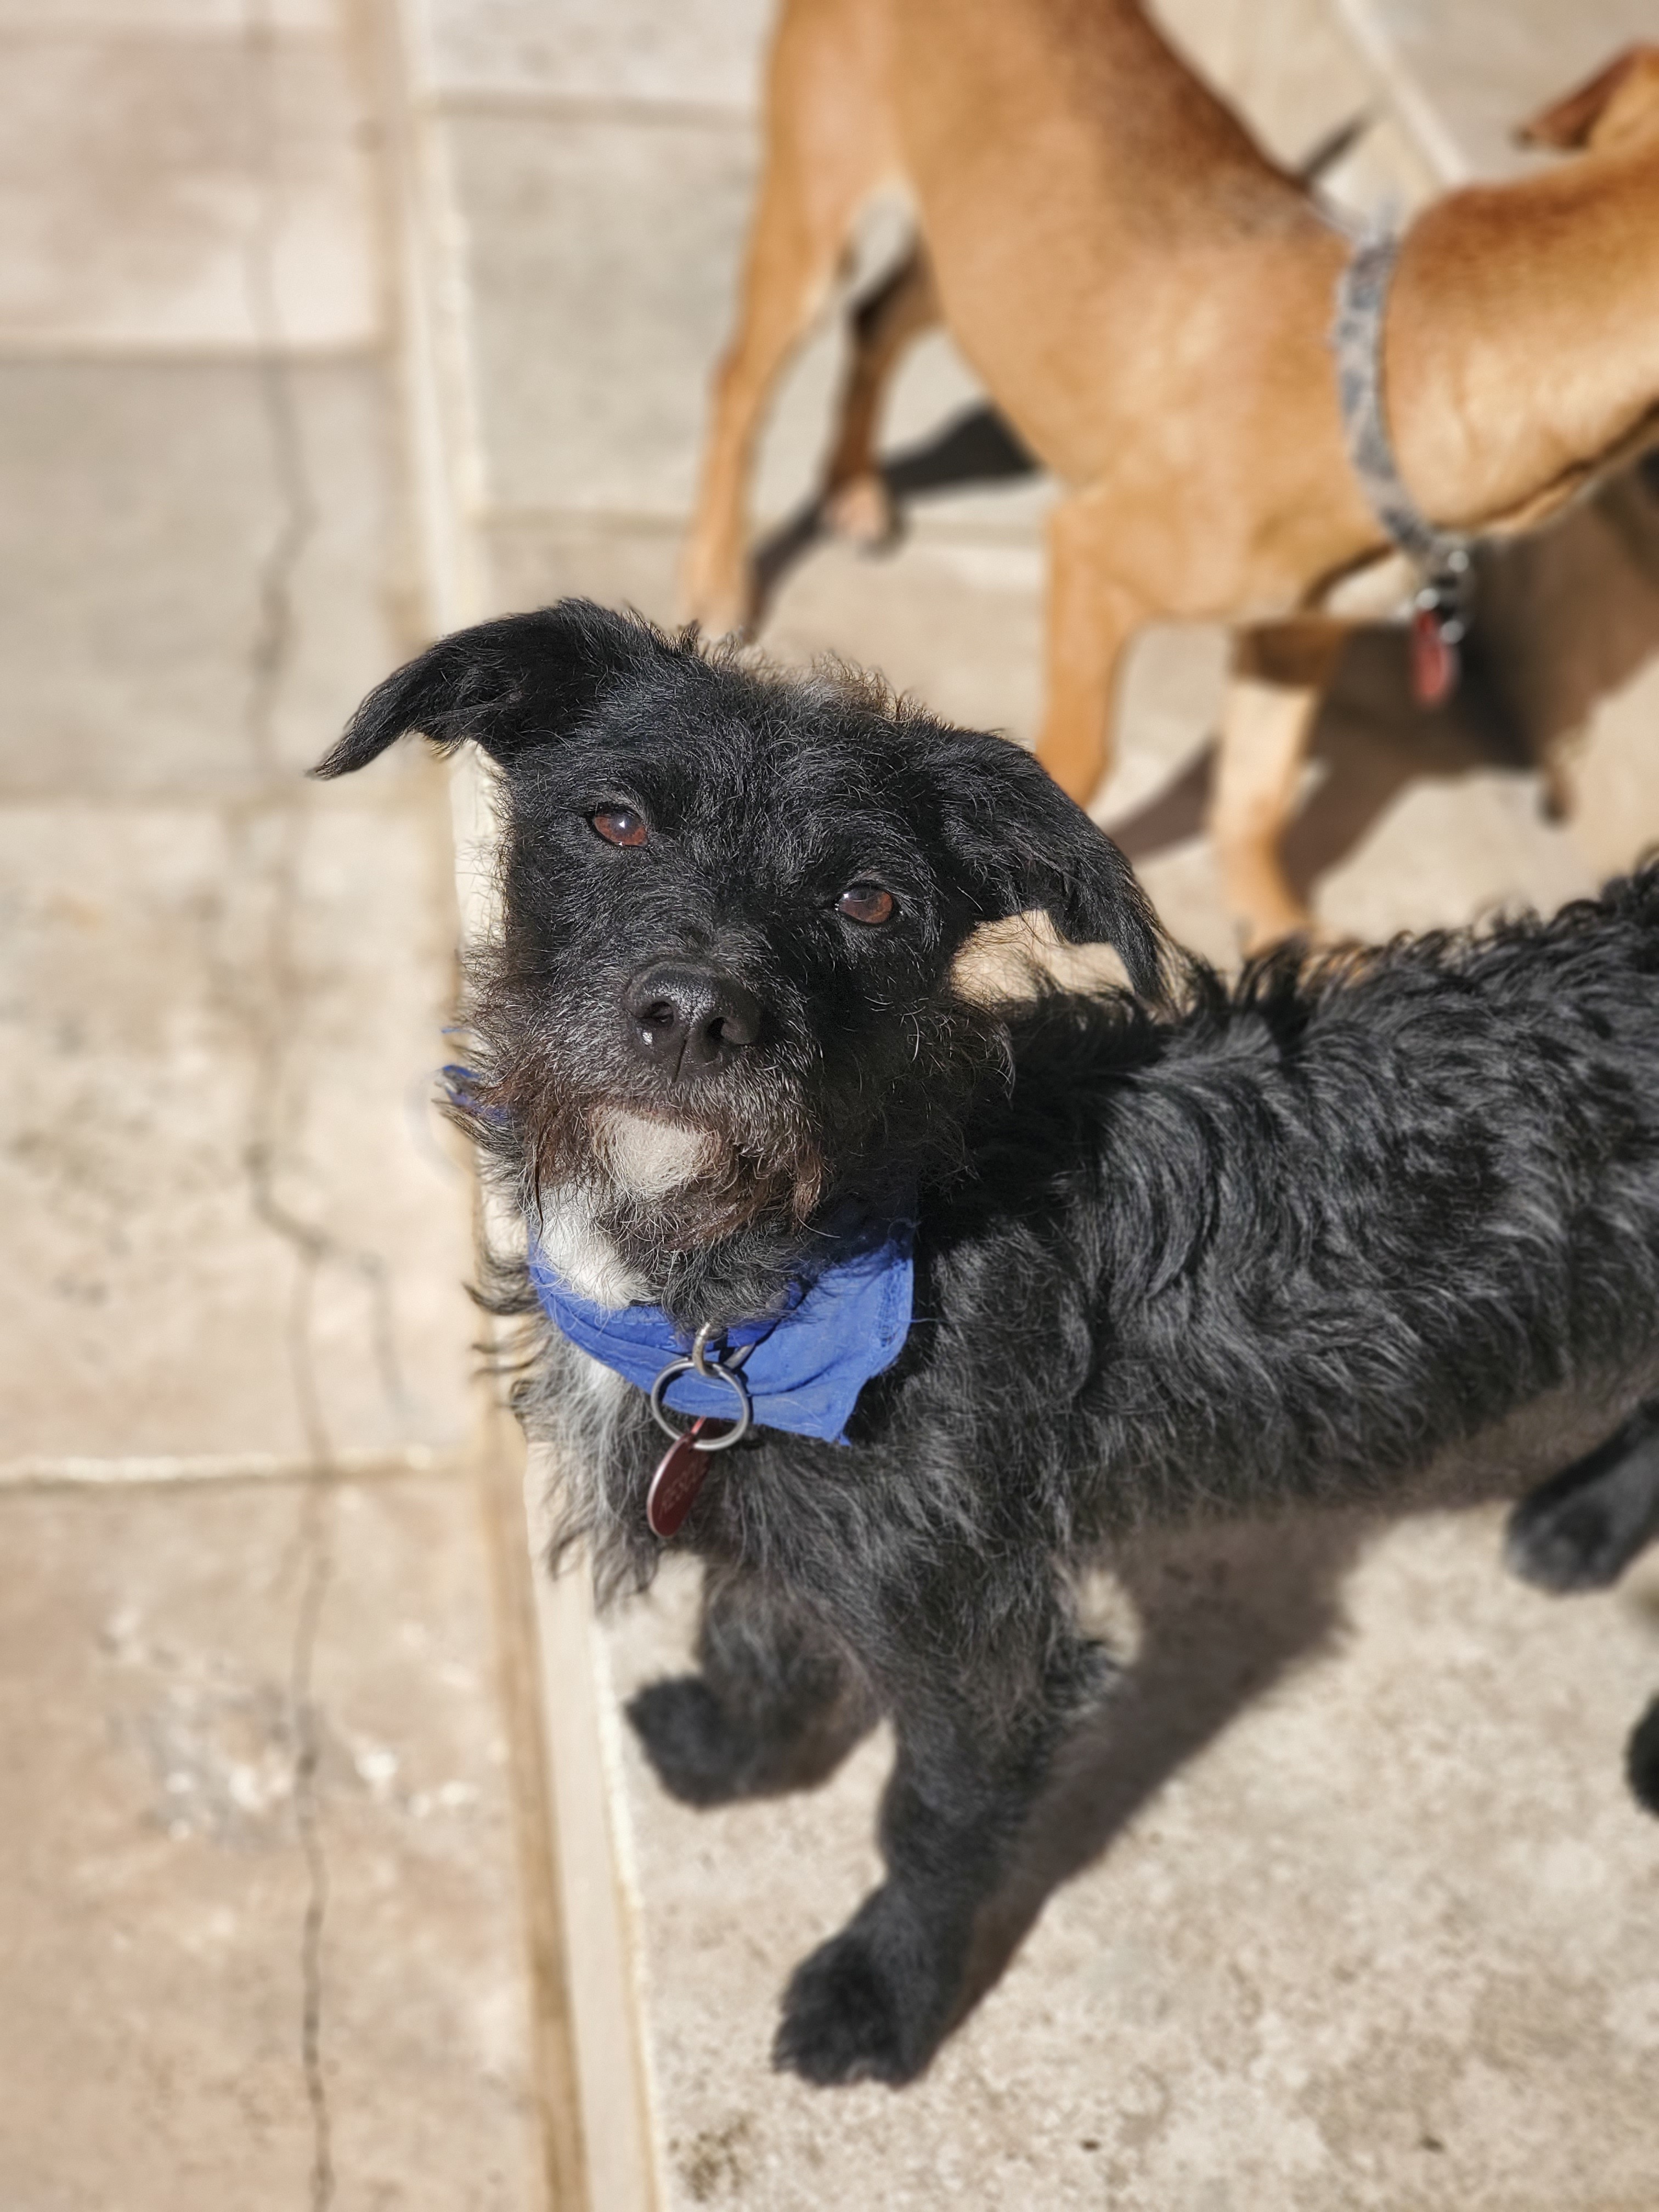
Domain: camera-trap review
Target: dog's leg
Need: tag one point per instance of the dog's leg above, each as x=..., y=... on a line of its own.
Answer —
x=1278, y=680
x=873, y=2002
x=1584, y=1527
x=827, y=142
x=1092, y=616
x=1580, y=1530
x=1642, y=1759
x=775, y=1705
x=856, y=501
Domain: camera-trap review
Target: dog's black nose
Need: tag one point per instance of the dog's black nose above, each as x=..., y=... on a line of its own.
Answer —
x=689, y=1019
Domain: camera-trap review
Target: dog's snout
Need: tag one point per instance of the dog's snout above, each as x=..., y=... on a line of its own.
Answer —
x=689, y=1019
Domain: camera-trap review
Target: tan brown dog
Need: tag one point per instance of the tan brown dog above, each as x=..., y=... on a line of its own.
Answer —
x=1148, y=299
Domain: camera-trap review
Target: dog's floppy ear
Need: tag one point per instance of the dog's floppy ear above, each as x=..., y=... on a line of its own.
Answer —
x=507, y=684
x=1617, y=104
x=1019, y=843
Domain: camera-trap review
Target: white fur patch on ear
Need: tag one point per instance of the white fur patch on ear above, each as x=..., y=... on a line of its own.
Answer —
x=1009, y=959
x=650, y=1159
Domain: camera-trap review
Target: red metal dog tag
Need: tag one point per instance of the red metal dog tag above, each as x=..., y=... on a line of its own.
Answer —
x=681, y=1473
x=1434, y=659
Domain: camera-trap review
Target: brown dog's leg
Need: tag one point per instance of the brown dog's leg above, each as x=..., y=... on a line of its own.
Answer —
x=1091, y=616
x=827, y=144
x=1277, y=680
x=856, y=501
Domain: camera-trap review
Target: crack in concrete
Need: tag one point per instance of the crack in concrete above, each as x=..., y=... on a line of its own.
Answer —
x=308, y=1738
x=269, y=657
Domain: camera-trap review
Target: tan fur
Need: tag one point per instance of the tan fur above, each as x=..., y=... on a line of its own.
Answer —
x=1148, y=299
x=1016, y=957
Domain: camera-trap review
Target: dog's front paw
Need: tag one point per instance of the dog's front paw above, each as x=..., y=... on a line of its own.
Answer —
x=870, y=2005
x=841, y=2017
x=699, y=1757
x=863, y=511
x=1566, y=1542
x=1642, y=1759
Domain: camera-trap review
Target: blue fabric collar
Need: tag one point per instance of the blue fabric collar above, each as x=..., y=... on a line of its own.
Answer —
x=843, y=1325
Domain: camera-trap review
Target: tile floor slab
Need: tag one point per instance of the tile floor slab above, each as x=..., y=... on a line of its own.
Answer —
x=1474, y=74
x=955, y=621
x=1285, y=63
x=154, y=1887
x=142, y=176
x=130, y=17
x=704, y=53
x=1296, y=78
x=1398, y=2019
x=424, y=1961
x=590, y=392
x=162, y=1019
x=141, y=508
x=591, y=386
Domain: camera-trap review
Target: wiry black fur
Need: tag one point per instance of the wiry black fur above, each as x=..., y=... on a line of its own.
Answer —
x=1304, y=1237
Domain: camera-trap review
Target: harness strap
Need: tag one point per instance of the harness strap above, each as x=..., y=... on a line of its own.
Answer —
x=1443, y=558
x=1362, y=298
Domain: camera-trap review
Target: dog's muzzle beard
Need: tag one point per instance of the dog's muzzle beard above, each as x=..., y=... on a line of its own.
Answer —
x=739, y=1155
x=696, y=1187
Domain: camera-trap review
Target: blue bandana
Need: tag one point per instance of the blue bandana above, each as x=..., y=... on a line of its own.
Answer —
x=809, y=1363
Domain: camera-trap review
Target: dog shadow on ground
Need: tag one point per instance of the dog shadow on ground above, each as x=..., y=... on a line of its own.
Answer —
x=974, y=448
x=1204, y=1618
x=1563, y=618
x=1369, y=743
x=1223, y=1614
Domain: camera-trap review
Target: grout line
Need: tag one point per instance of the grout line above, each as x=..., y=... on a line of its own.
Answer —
x=929, y=521
x=182, y=32
x=593, y=2087
x=269, y=657
x=500, y=1463
x=1401, y=86
x=427, y=247
x=316, y=1533
x=17, y=351
x=463, y=101
x=266, y=794
x=614, y=2071
x=356, y=1464
x=440, y=375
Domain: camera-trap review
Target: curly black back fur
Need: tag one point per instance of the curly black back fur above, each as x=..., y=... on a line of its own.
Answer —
x=1201, y=1248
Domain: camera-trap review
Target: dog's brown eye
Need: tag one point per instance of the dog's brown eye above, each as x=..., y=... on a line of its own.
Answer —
x=865, y=902
x=619, y=825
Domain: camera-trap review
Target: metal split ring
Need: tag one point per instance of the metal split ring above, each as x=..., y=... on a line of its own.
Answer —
x=711, y=1371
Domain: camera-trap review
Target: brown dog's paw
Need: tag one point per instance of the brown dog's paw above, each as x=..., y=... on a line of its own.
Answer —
x=864, y=513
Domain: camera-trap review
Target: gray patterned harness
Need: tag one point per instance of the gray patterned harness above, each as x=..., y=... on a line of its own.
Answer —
x=1441, y=557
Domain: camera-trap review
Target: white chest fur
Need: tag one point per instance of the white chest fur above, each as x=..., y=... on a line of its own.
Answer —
x=645, y=1159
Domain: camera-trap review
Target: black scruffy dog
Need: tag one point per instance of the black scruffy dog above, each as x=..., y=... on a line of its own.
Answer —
x=1187, y=1248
